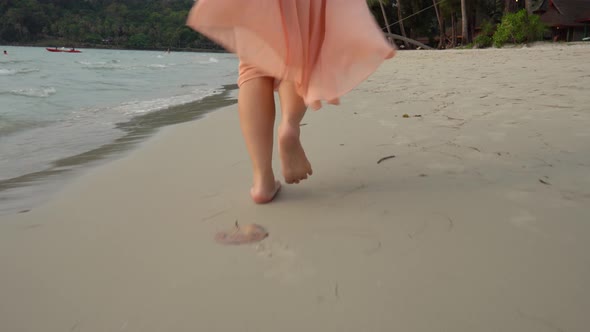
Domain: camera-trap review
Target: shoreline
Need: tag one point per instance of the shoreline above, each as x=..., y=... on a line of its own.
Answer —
x=14, y=191
x=107, y=47
x=535, y=44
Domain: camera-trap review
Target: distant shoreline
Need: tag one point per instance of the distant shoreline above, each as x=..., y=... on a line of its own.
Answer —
x=68, y=44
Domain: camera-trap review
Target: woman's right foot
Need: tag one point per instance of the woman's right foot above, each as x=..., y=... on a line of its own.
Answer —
x=294, y=163
x=265, y=193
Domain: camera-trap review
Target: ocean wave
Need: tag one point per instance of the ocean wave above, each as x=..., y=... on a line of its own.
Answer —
x=27, y=70
x=110, y=65
x=157, y=66
x=192, y=85
x=32, y=92
x=9, y=126
x=13, y=61
x=7, y=72
x=110, y=86
x=10, y=72
x=210, y=60
x=146, y=106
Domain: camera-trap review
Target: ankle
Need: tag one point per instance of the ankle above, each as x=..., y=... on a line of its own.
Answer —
x=263, y=178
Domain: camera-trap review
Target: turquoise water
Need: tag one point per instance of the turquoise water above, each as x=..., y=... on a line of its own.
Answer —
x=57, y=105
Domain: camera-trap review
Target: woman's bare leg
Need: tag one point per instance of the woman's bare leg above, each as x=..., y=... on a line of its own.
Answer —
x=257, y=116
x=295, y=165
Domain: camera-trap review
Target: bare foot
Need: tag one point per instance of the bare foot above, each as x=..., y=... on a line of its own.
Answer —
x=294, y=163
x=262, y=194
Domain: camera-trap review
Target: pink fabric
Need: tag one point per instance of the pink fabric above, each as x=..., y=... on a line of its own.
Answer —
x=327, y=47
x=248, y=72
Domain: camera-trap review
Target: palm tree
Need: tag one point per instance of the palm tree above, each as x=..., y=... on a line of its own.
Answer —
x=381, y=4
x=464, y=21
x=386, y=23
x=399, y=15
x=441, y=25
x=449, y=10
x=401, y=21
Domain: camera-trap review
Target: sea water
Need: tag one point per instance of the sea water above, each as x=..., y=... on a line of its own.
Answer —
x=57, y=105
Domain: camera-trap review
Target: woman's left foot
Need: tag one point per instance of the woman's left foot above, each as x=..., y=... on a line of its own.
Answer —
x=294, y=163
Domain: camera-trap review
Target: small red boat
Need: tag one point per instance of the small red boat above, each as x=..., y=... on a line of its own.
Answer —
x=63, y=50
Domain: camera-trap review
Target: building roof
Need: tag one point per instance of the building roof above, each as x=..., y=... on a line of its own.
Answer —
x=563, y=13
x=538, y=5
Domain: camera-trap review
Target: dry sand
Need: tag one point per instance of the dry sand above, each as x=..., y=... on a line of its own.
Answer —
x=481, y=222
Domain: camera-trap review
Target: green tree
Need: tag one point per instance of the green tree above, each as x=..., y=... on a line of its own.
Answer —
x=140, y=41
x=121, y=23
x=519, y=27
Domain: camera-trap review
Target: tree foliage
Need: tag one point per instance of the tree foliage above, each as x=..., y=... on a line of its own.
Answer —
x=119, y=23
x=519, y=27
x=485, y=38
x=150, y=24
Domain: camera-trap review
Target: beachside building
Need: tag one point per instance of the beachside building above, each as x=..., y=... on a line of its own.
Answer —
x=569, y=20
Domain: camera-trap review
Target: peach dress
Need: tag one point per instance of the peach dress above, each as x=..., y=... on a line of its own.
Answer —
x=326, y=47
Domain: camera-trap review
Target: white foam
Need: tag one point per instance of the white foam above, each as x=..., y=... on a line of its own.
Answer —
x=27, y=70
x=157, y=66
x=10, y=72
x=34, y=92
x=7, y=72
x=211, y=60
x=141, y=107
x=111, y=65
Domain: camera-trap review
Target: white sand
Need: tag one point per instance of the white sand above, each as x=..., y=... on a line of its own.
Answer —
x=477, y=243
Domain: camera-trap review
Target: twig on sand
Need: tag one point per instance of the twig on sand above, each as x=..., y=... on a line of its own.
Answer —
x=209, y=217
x=451, y=223
x=452, y=118
x=75, y=326
x=374, y=250
x=548, y=164
x=385, y=158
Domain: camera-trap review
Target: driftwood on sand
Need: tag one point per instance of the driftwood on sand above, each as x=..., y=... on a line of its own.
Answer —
x=408, y=40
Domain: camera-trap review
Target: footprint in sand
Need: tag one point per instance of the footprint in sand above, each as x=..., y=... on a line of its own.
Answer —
x=525, y=220
x=242, y=234
x=518, y=195
x=447, y=167
x=285, y=265
x=497, y=136
x=510, y=124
